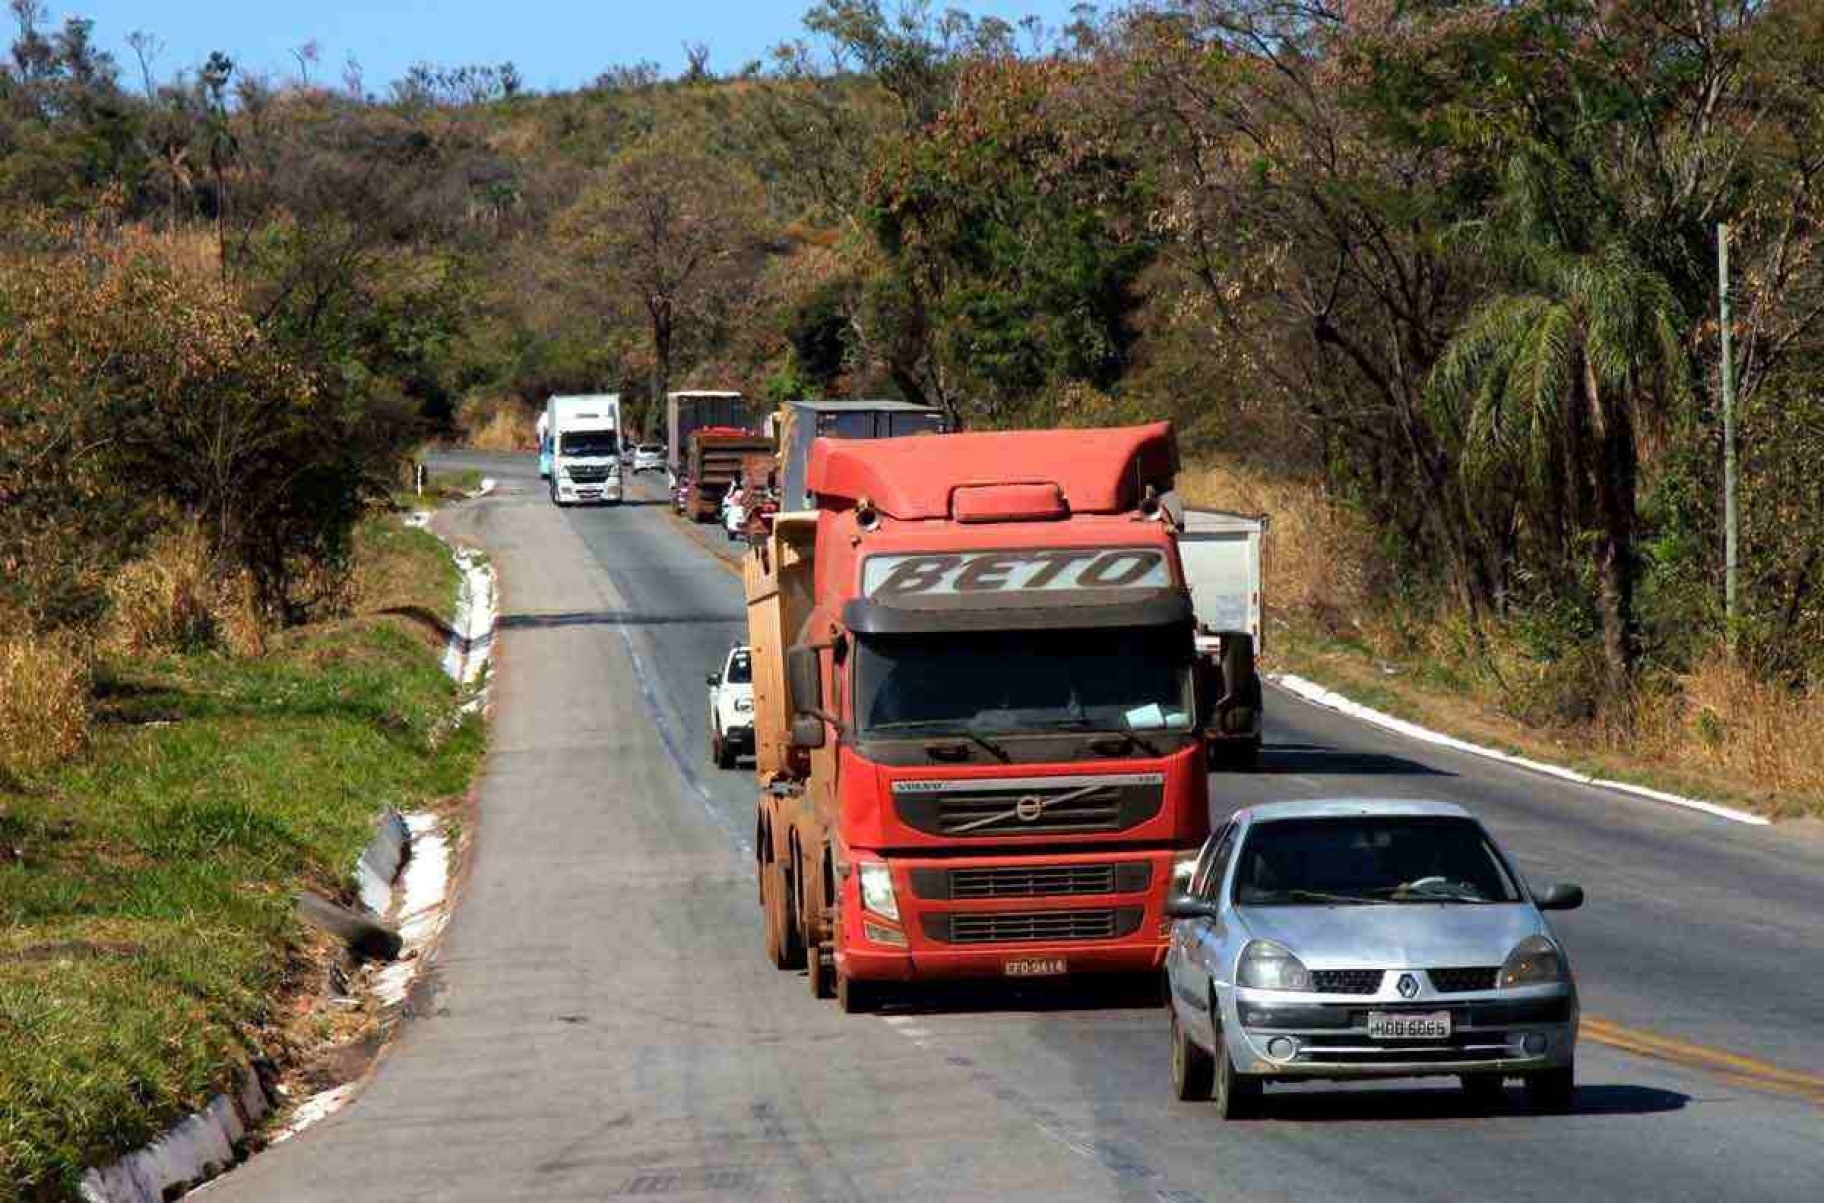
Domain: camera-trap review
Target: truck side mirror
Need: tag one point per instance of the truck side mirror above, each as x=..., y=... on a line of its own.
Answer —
x=804, y=680
x=714, y=679
x=807, y=732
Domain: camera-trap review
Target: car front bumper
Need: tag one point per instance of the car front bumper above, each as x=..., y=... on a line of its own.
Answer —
x=1281, y=1035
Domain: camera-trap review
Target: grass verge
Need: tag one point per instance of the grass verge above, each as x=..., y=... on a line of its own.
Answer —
x=146, y=886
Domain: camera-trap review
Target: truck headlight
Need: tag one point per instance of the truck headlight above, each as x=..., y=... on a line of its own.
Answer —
x=1269, y=966
x=877, y=890
x=1535, y=961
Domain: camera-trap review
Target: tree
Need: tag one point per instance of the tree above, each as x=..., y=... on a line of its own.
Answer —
x=670, y=227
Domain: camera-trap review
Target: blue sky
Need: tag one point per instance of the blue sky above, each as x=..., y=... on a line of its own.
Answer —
x=555, y=43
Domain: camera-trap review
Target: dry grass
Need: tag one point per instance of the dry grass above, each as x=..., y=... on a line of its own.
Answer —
x=177, y=599
x=44, y=703
x=1723, y=720
x=490, y=423
x=1317, y=557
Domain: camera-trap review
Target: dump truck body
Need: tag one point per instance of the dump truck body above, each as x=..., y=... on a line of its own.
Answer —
x=716, y=457
x=688, y=411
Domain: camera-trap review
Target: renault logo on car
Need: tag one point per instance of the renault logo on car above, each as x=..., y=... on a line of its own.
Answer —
x=1408, y=985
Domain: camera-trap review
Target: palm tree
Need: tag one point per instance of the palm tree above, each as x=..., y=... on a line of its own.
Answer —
x=1546, y=385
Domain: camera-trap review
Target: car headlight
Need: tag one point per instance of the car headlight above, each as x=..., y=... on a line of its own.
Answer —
x=877, y=890
x=1535, y=961
x=1183, y=865
x=1268, y=966
x=744, y=705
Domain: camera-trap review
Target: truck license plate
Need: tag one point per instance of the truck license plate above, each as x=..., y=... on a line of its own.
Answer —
x=1035, y=967
x=1433, y=1025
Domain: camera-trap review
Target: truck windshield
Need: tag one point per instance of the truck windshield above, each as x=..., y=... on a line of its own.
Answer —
x=1115, y=680
x=593, y=443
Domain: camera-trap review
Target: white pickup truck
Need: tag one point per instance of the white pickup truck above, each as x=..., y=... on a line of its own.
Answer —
x=731, y=708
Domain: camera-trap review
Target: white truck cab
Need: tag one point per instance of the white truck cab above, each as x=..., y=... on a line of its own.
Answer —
x=584, y=434
x=731, y=707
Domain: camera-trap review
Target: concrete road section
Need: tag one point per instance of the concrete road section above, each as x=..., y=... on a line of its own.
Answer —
x=602, y=1023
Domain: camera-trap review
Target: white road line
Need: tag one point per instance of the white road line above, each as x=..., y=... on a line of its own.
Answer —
x=1331, y=700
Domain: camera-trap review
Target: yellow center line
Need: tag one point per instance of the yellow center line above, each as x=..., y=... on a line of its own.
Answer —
x=1745, y=1071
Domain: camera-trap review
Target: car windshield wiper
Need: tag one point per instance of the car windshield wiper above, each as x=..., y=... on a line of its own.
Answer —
x=1321, y=896
x=1414, y=891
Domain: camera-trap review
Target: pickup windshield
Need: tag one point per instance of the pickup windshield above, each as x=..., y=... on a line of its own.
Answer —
x=1368, y=859
x=590, y=443
x=1108, y=680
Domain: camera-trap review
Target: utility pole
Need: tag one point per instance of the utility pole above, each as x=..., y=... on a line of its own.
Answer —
x=1729, y=516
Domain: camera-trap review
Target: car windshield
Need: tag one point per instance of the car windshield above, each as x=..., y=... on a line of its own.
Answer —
x=1113, y=680
x=1362, y=859
x=740, y=669
x=590, y=443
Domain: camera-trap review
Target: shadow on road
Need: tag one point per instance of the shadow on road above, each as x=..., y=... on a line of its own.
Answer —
x=613, y=618
x=1135, y=992
x=1319, y=760
x=1447, y=1102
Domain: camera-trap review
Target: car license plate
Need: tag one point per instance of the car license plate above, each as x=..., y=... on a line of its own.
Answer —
x=1035, y=967
x=1432, y=1025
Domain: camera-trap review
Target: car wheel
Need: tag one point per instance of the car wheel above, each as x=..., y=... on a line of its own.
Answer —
x=1549, y=1091
x=1193, y=1069
x=725, y=754
x=1484, y=1091
x=1237, y=1095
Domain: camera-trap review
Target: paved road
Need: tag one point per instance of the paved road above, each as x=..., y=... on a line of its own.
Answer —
x=602, y=1023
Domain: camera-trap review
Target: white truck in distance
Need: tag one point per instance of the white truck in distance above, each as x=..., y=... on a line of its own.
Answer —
x=731, y=708
x=585, y=440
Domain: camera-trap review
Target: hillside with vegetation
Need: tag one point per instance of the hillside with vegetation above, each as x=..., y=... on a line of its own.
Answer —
x=1442, y=276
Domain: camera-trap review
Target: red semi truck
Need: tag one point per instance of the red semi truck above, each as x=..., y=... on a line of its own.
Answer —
x=976, y=707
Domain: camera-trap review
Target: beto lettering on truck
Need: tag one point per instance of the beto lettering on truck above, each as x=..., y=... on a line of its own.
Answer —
x=1052, y=571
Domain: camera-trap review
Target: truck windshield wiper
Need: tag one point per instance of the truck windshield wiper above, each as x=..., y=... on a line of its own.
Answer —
x=983, y=742
x=1089, y=724
x=943, y=731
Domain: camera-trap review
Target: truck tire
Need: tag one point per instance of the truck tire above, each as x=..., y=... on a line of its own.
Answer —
x=822, y=966
x=856, y=998
x=783, y=943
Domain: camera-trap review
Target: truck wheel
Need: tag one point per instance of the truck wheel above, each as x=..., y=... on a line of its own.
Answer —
x=787, y=948
x=855, y=998
x=822, y=965
x=1193, y=1069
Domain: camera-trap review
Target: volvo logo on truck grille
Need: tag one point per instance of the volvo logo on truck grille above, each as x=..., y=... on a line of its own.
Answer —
x=983, y=807
x=1048, y=570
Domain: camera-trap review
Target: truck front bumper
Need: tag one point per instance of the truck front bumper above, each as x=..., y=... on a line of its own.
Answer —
x=589, y=494
x=979, y=918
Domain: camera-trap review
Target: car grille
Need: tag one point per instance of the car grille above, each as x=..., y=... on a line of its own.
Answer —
x=1337, y=1034
x=1013, y=927
x=1346, y=981
x=988, y=809
x=1461, y=981
x=1031, y=881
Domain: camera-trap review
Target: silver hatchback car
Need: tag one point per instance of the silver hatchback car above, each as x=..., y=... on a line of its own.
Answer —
x=1366, y=938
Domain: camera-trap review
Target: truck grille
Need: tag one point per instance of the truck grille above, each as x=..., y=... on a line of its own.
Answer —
x=584, y=474
x=1013, y=927
x=1031, y=881
x=1461, y=981
x=997, y=808
x=1346, y=981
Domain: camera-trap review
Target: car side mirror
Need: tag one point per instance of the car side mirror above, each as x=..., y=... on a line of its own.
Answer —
x=1189, y=906
x=1560, y=897
x=714, y=678
x=807, y=732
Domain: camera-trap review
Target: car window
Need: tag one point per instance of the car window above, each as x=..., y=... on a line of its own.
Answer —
x=1201, y=874
x=1219, y=863
x=1371, y=859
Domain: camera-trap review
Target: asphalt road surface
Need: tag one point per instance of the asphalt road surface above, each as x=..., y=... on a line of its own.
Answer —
x=600, y=1021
